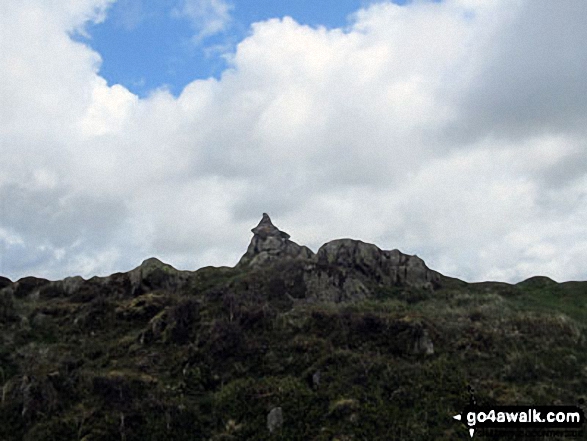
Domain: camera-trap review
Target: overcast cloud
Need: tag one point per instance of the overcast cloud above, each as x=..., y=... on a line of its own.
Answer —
x=455, y=131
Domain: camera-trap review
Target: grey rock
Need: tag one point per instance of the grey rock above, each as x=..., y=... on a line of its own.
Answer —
x=270, y=244
x=61, y=288
x=316, y=379
x=275, y=419
x=152, y=274
x=28, y=287
x=343, y=270
x=423, y=344
x=72, y=284
x=172, y=324
x=388, y=268
x=333, y=285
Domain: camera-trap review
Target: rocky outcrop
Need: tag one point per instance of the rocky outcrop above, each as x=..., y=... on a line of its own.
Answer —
x=332, y=284
x=350, y=270
x=153, y=274
x=72, y=284
x=150, y=275
x=4, y=282
x=343, y=270
x=270, y=244
x=387, y=268
x=27, y=287
x=38, y=288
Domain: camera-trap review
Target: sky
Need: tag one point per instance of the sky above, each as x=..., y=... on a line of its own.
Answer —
x=455, y=130
x=168, y=44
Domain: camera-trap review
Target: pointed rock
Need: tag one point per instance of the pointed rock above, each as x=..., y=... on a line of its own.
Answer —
x=269, y=244
x=266, y=229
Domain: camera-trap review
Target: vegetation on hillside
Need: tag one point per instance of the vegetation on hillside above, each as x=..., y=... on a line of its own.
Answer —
x=209, y=360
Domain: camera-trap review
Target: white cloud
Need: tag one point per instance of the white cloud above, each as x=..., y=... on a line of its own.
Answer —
x=208, y=17
x=453, y=130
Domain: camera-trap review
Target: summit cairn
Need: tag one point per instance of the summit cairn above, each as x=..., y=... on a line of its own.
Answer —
x=269, y=244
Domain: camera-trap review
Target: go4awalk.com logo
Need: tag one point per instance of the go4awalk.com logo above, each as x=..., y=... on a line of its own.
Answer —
x=534, y=420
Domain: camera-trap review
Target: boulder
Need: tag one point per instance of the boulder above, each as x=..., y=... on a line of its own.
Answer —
x=275, y=419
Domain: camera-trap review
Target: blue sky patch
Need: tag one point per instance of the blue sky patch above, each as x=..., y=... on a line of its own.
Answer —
x=148, y=45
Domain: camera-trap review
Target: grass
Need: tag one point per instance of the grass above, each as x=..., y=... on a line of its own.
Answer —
x=210, y=361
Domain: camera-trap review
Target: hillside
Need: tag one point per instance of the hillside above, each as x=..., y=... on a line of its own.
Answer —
x=350, y=343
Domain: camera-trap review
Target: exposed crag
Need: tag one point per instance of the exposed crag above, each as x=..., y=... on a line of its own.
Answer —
x=389, y=268
x=270, y=244
x=342, y=270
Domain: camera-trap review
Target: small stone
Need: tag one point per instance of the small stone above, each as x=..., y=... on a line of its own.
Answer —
x=316, y=379
x=275, y=419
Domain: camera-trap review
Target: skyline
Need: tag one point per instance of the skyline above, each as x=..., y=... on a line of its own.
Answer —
x=454, y=130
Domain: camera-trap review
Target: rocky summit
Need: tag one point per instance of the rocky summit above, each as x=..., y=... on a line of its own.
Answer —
x=349, y=343
x=341, y=270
